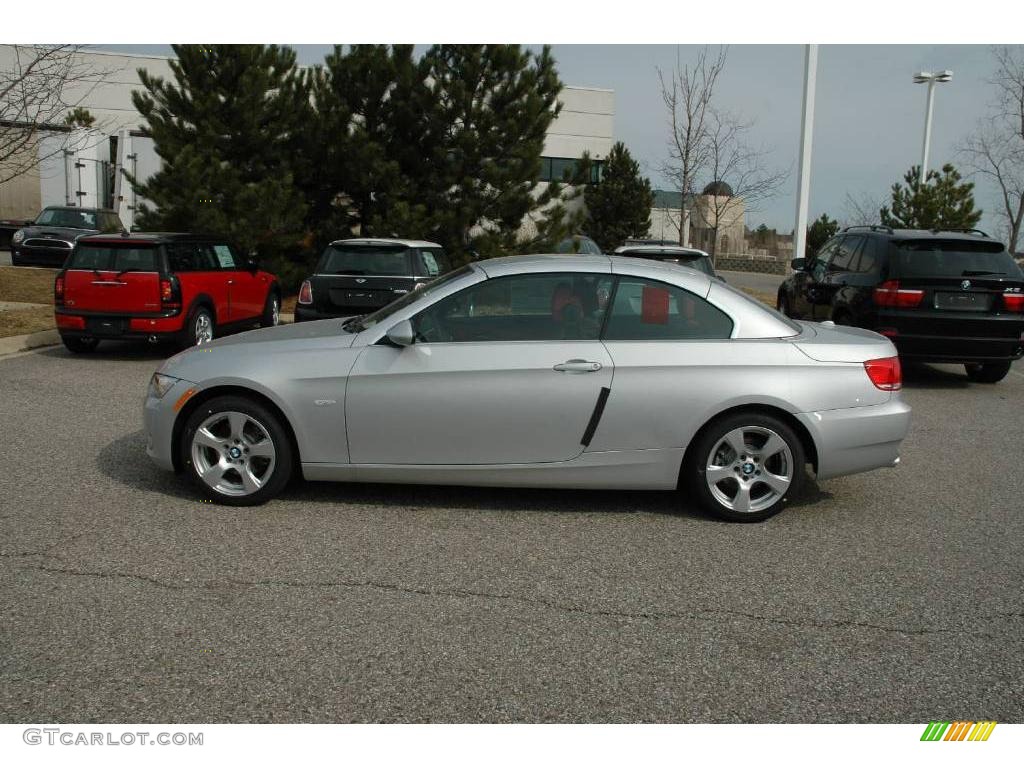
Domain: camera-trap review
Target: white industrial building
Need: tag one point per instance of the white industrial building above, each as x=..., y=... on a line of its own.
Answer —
x=82, y=167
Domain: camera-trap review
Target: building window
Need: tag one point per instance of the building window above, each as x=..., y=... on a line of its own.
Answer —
x=562, y=168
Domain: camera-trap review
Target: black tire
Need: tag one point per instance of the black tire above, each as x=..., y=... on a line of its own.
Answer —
x=80, y=344
x=190, y=332
x=694, y=473
x=271, y=311
x=987, y=373
x=275, y=477
x=15, y=261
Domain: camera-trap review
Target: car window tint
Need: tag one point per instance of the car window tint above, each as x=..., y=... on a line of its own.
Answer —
x=845, y=253
x=649, y=310
x=344, y=259
x=115, y=258
x=952, y=258
x=538, y=307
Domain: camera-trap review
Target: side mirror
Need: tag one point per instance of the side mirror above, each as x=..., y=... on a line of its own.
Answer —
x=252, y=264
x=798, y=265
x=401, y=335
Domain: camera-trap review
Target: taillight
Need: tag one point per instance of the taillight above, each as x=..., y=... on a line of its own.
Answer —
x=1014, y=302
x=306, y=293
x=889, y=294
x=170, y=292
x=58, y=291
x=885, y=373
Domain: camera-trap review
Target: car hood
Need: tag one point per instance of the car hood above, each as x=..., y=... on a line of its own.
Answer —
x=61, y=233
x=235, y=353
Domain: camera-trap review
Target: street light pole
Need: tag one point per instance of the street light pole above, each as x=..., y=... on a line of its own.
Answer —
x=806, y=133
x=931, y=78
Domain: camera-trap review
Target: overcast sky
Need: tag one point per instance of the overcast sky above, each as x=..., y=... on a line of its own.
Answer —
x=869, y=117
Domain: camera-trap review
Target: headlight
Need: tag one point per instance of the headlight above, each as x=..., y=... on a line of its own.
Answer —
x=161, y=384
x=17, y=237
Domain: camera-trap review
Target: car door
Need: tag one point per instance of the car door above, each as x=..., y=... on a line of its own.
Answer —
x=808, y=284
x=506, y=371
x=244, y=295
x=837, y=272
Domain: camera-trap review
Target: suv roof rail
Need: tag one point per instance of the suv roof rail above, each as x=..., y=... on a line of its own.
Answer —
x=968, y=231
x=872, y=227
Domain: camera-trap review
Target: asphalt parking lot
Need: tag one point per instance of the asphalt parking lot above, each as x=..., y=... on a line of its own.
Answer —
x=892, y=596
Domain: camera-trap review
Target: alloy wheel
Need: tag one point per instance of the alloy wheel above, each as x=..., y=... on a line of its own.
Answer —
x=203, y=329
x=749, y=469
x=233, y=453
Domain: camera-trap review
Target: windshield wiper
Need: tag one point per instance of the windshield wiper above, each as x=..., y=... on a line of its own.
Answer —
x=353, y=324
x=977, y=272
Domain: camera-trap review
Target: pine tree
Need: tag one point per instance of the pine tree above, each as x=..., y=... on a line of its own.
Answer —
x=819, y=233
x=224, y=130
x=942, y=202
x=619, y=207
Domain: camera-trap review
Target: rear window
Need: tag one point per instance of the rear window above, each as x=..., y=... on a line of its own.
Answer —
x=119, y=258
x=365, y=260
x=951, y=258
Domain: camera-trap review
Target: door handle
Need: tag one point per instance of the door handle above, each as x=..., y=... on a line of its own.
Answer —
x=578, y=366
x=231, y=282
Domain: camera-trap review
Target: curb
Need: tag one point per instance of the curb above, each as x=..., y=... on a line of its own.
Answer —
x=14, y=344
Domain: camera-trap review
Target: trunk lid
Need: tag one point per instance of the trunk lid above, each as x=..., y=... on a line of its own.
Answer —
x=829, y=343
x=115, y=278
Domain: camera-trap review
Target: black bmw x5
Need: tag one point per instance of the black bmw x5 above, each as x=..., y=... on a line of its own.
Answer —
x=940, y=296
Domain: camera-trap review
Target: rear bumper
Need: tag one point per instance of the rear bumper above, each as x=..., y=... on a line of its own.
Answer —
x=851, y=440
x=943, y=349
x=304, y=313
x=97, y=326
x=953, y=337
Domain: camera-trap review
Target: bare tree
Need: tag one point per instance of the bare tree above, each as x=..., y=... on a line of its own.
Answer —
x=687, y=92
x=862, y=210
x=996, y=150
x=42, y=88
x=734, y=162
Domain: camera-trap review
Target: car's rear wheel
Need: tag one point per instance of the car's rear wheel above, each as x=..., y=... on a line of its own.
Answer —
x=80, y=344
x=198, y=328
x=987, y=373
x=271, y=311
x=744, y=467
x=236, y=451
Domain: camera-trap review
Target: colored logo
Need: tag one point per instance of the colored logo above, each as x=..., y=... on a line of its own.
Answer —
x=961, y=730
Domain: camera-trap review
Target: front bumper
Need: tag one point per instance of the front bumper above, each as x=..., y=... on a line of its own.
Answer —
x=159, y=415
x=40, y=257
x=851, y=440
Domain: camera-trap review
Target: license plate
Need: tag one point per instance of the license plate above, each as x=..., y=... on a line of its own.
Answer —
x=964, y=302
x=105, y=325
x=362, y=298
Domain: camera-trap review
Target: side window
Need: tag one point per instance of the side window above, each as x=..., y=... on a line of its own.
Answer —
x=225, y=257
x=868, y=254
x=844, y=256
x=181, y=257
x=434, y=261
x=540, y=307
x=646, y=310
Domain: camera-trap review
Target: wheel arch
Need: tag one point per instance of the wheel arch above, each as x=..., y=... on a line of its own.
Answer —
x=204, y=396
x=806, y=440
x=202, y=300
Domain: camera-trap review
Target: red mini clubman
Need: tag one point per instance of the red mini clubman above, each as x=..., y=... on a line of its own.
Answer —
x=173, y=287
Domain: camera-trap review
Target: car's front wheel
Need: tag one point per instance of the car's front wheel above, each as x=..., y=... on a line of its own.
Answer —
x=744, y=467
x=236, y=451
x=987, y=373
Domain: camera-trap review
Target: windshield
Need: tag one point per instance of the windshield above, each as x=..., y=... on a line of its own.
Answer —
x=424, y=290
x=952, y=258
x=344, y=259
x=117, y=258
x=67, y=217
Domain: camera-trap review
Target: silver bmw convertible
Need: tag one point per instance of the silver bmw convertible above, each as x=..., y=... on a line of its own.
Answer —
x=541, y=371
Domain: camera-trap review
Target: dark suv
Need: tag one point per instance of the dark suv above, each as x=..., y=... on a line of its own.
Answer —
x=49, y=239
x=355, y=277
x=940, y=296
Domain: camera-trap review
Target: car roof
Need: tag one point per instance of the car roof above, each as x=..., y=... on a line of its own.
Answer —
x=386, y=241
x=149, y=237
x=667, y=250
x=973, y=235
